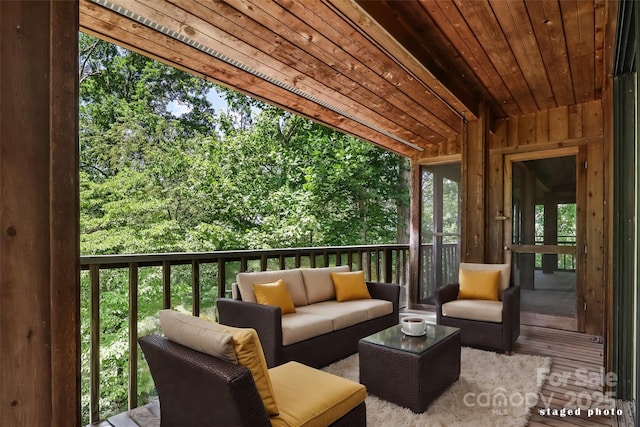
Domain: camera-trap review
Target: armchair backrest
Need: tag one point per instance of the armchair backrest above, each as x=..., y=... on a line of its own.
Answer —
x=198, y=389
x=505, y=273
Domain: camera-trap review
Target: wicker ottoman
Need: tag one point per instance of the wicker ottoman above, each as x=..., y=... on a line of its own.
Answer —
x=410, y=371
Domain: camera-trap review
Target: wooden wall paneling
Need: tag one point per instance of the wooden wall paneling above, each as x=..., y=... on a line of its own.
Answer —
x=575, y=121
x=512, y=131
x=542, y=126
x=39, y=238
x=595, y=240
x=558, y=124
x=527, y=129
x=499, y=137
x=592, y=118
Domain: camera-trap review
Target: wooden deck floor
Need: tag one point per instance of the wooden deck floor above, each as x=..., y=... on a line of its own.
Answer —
x=574, y=381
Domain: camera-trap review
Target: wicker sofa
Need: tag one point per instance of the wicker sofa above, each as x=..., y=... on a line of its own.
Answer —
x=322, y=330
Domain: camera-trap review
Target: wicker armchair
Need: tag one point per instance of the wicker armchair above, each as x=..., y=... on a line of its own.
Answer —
x=196, y=389
x=475, y=332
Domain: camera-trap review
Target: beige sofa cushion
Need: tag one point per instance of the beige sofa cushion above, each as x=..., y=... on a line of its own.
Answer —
x=482, y=310
x=505, y=273
x=301, y=326
x=374, y=307
x=318, y=283
x=292, y=278
x=311, y=397
x=342, y=315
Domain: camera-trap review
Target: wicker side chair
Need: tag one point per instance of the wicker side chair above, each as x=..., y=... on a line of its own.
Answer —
x=476, y=330
x=196, y=389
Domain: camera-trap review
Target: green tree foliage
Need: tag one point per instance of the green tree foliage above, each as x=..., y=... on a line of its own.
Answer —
x=251, y=176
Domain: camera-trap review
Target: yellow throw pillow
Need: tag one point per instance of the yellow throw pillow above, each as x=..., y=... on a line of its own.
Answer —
x=478, y=284
x=249, y=354
x=350, y=285
x=274, y=294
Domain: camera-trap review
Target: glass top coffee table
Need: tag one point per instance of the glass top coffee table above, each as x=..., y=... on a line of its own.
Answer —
x=410, y=371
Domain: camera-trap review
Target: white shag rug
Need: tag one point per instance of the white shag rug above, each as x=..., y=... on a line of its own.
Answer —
x=493, y=390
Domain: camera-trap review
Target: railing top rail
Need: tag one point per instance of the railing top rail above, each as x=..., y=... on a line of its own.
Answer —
x=231, y=255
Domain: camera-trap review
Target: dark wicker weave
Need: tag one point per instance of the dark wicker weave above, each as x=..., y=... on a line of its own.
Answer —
x=196, y=389
x=409, y=379
x=486, y=335
x=318, y=351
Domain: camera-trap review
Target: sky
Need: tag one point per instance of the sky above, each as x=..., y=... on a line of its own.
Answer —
x=218, y=103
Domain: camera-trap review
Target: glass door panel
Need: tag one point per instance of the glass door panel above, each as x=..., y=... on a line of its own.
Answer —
x=440, y=229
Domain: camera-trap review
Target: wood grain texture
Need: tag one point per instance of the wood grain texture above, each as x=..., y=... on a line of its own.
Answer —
x=39, y=275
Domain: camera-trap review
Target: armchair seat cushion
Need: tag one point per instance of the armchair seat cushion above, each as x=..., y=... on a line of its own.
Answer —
x=482, y=310
x=310, y=397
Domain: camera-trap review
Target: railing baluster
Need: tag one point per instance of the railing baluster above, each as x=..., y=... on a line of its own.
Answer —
x=133, y=335
x=350, y=259
x=166, y=284
x=325, y=258
x=222, y=277
x=195, y=287
x=94, y=399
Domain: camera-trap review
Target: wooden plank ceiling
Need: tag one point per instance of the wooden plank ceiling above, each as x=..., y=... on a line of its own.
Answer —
x=400, y=74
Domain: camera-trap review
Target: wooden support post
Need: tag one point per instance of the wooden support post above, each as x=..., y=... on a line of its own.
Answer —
x=39, y=214
x=528, y=261
x=550, y=261
x=414, y=235
x=475, y=156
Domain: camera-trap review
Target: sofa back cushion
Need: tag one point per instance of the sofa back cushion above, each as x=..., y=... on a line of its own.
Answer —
x=318, y=283
x=292, y=278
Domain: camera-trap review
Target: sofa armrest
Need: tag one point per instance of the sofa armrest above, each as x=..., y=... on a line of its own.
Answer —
x=265, y=319
x=443, y=295
x=386, y=291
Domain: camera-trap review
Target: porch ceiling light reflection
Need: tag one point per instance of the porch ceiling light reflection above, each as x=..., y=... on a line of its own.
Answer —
x=209, y=51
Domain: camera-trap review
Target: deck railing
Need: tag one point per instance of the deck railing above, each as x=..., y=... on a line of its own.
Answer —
x=193, y=281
